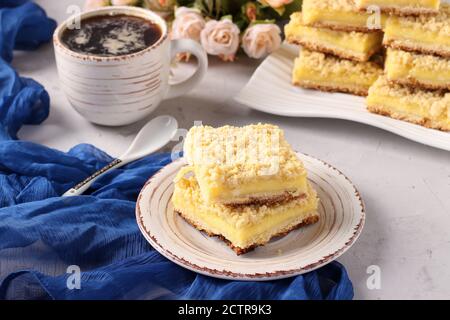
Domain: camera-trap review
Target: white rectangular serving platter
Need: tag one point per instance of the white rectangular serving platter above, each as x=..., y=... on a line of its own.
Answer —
x=270, y=90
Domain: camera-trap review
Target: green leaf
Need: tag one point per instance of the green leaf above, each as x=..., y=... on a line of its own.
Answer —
x=242, y=24
x=272, y=21
x=200, y=5
x=295, y=6
x=215, y=9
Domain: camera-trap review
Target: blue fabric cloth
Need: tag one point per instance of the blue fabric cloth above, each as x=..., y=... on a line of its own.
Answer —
x=22, y=100
x=41, y=233
x=24, y=26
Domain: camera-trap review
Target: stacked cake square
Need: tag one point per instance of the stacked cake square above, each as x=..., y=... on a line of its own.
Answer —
x=245, y=185
x=416, y=83
x=395, y=52
x=339, y=46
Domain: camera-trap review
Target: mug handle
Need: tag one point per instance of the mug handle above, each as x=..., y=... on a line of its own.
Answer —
x=193, y=47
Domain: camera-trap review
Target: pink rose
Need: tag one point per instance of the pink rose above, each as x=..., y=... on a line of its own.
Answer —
x=221, y=38
x=188, y=24
x=95, y=4
x=260, y=40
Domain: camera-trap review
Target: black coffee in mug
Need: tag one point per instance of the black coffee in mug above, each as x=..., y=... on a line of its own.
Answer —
x=112, y=35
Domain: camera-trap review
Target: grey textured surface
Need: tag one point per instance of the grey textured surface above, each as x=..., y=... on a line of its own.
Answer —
x=405, y=185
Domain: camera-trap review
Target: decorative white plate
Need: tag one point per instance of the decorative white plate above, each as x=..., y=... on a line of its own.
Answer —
x=270, y=90
x=341, y=221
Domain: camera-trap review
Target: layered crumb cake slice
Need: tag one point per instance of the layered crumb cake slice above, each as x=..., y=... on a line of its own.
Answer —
x=243, y=228
x=249, y=165
x=245, y=185
x=314, y=70
x=418, y=70
x=343, y=15
x=424, y=34
x=352, y=45
x=430, y=109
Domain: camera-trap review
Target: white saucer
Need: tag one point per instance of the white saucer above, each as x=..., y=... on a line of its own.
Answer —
x=341, y=221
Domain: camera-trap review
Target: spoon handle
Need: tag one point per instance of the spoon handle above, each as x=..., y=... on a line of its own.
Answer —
x=86, y=183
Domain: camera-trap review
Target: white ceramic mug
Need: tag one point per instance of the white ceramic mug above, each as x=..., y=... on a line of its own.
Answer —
x=120, y=90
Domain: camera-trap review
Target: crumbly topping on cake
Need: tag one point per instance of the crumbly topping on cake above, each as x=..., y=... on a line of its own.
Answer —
x=423, y=61
x=439, y=23
x=410, y=4
x=326, y=64
x=236, y=155
x=239, y=216
x=438, y=102
x=336, y=5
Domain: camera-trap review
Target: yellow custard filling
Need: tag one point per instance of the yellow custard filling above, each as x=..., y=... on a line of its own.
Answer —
x=395, y=30
x=233, y=164
x=245, y=225
x=321, y=69
x=339, y=14
x=427, y=4
x=430, y=31
x=353, y=44
x=262, y=188
x=426, y=69
x=412, y=104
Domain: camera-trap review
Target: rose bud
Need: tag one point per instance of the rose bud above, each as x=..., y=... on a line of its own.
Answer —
x=221, y=38
x=260, y=40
